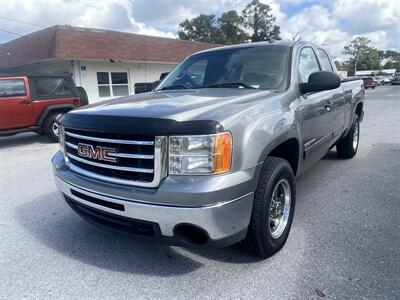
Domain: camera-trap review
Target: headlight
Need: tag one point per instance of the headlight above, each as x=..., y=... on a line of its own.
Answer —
x=200, y=154
x=61, y=138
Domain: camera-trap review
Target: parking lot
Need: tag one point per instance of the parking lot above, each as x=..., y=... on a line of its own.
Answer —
x=344, y=242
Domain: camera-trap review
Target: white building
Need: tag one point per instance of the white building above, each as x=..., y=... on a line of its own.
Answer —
x=372, y=72
x=106, y=63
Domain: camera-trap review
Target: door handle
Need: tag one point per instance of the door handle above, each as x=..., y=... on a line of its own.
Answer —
x=24, y=102
x=328, y=107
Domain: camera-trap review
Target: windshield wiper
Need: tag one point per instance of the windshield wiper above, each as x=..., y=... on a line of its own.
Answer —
x=231, y=84
x=173, y=87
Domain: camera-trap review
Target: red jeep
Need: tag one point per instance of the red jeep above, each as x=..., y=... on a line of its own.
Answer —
x=33, y=102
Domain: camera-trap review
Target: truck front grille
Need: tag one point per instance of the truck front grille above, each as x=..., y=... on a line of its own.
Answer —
x=116, y=157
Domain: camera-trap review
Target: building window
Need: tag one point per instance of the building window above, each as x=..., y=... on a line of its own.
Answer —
x=112, y=84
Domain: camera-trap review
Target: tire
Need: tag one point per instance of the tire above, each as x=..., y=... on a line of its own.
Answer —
x=347, y=147
x=263, y=239
x=373, y=87
x=50, y=127
x=83, y=95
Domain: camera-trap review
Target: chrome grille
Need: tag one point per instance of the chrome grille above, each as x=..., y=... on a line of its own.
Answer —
x=140, y=160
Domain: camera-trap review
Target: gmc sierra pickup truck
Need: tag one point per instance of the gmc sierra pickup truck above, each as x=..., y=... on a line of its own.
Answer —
x=33, y=102
x=209, y=158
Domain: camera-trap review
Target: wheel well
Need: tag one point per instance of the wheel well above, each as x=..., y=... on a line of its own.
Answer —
x=359, y=109
x=288, y=150
x=50, y=110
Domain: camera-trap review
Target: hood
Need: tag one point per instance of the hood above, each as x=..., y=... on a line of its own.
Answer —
x=205, y=107
x=180, y=105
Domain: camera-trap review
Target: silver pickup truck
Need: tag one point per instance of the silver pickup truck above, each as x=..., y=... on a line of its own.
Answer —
x=209, y=158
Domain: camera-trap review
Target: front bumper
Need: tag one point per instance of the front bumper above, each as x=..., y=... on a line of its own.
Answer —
x=222, y=214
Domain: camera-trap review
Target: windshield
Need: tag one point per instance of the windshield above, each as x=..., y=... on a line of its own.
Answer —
x=253, y=67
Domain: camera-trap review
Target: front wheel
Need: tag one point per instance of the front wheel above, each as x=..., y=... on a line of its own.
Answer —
x=273, y=209
x=347, y=147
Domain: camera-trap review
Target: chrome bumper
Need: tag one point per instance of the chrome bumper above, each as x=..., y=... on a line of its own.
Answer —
x=220, y=221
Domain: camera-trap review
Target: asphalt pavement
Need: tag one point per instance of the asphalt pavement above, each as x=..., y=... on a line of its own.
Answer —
x=344, y=242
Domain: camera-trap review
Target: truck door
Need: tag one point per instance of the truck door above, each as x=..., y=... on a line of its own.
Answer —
x=315, y=110
x=336, y=98
x=15, y=103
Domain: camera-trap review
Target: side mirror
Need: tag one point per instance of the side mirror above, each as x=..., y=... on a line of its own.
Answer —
x=163, y=75
x=320, y=81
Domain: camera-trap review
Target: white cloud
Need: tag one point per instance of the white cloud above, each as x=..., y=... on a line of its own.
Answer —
x=111, y=14
x=311, y=18
x=378, y=38
x=330, y=23
x=368, y=15
x=318, y=25
x=377, y=19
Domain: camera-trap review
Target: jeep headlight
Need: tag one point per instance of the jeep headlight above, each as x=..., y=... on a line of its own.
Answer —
x=200, y=154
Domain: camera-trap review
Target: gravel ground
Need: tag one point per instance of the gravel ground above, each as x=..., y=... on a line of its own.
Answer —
x=344, y=242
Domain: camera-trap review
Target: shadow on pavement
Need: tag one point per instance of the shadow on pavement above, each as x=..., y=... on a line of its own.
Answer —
x=49, y=220
x=22, y=140
x=332, y=155
x=54, y=224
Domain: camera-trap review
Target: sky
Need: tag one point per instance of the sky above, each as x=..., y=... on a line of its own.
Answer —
x=331, y=23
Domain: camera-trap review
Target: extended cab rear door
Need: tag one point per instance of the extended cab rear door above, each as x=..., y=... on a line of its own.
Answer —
x=15, y=103
x=336, y=99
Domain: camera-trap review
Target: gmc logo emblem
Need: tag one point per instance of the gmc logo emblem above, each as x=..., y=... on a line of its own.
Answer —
x=98, y=152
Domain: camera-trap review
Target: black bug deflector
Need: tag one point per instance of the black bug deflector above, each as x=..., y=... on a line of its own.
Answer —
x=137, y=125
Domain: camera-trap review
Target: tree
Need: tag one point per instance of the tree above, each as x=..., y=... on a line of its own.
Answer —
x=202, y=29
x=255, y=23
x=362, y=57
x=259, y=22
x=390, y=59
x=338, y=64
x=230, y=24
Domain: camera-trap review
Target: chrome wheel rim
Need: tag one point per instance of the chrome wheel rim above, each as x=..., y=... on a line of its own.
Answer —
x=279, y=208
x=356, y=135
x=55, y=128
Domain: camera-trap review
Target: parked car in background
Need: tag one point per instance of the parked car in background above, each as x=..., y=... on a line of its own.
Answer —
x=379, y=80
x=387, y=79
x=209, y=158
x=33, y=102
x=144, y=87
x=369, y=82
x=395, y=80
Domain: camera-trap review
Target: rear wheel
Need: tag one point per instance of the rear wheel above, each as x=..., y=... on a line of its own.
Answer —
x=51, y=127
x=83, y=95
x=273, y=209
x=347, y=147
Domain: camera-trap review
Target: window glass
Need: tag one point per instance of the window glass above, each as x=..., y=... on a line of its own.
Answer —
x=12, y=88
x=119, y=78
x=104, y=91
x=325, y=61
x=308, y=64
x=116, y=88
x=260, y=67
x=102, y=78
x=46, y=86
x=196, y=71
x=120, y=90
